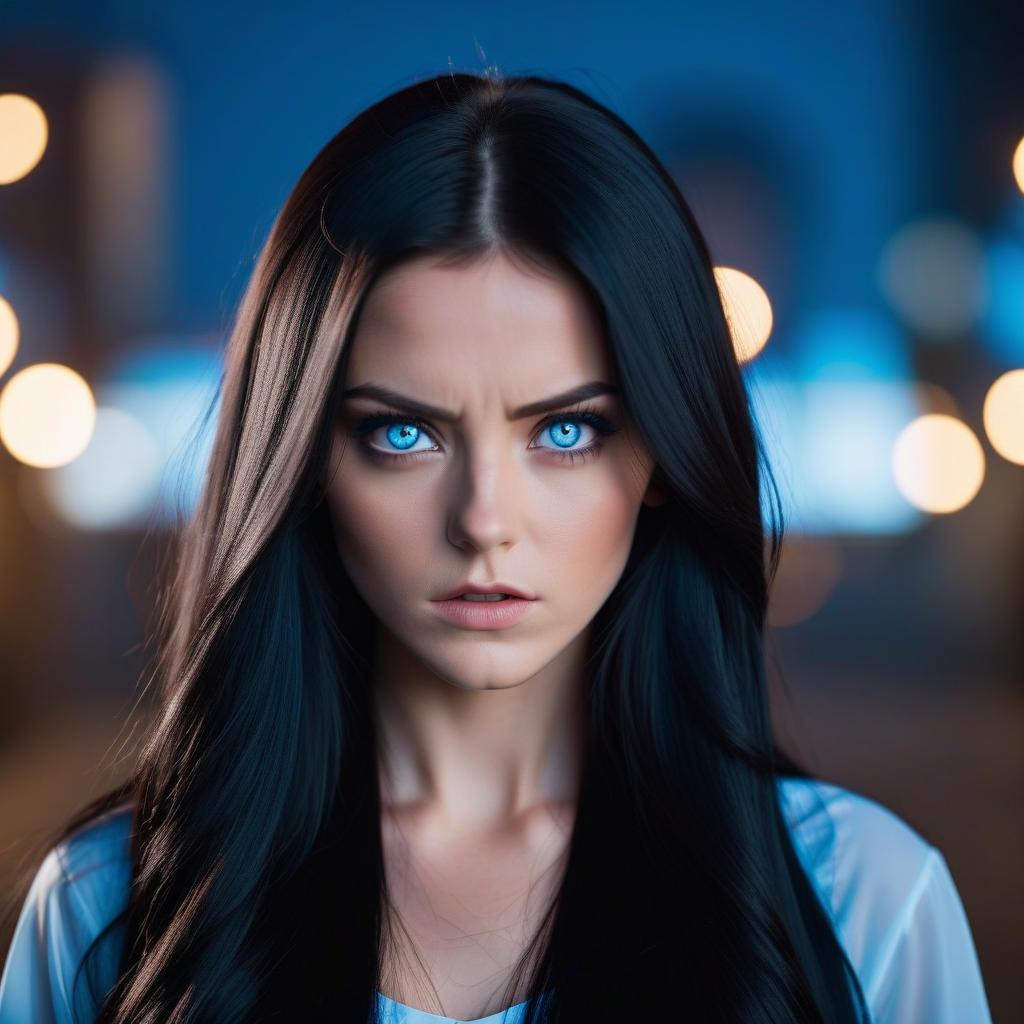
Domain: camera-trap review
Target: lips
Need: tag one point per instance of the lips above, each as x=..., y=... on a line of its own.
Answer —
x=484, y=614
x=486, y=588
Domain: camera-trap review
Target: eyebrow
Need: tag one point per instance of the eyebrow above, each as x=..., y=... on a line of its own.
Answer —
x=411, y=405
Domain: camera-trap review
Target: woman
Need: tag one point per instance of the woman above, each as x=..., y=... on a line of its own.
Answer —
x=482, y=351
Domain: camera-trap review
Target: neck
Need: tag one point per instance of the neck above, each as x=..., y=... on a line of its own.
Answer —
x=478, y=758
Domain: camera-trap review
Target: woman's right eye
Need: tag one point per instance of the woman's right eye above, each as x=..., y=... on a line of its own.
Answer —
x=400, y=437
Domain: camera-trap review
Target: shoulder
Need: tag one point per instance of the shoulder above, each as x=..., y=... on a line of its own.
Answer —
x=95, y=861
x=892, y=900
x=80, y=887
x=853, y=845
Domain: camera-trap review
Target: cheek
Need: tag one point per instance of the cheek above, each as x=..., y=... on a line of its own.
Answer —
x=587, y=538
x=382, y=533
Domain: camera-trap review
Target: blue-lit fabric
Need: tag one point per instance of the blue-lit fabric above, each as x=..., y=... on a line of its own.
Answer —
x=890, y=894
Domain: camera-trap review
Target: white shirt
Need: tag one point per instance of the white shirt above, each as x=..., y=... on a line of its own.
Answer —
x=889, y=892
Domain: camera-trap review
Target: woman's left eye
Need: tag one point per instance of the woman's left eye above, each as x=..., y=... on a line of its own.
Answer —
x=564, y=431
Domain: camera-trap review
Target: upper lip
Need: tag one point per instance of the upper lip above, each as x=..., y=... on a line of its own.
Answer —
x=486, y=588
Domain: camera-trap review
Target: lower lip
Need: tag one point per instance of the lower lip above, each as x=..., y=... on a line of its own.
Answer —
x=483, y=614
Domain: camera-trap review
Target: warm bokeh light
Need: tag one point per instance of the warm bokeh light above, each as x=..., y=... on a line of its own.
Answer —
x=23, y=135
x=938, y=463
x=1003, y=415
x=1018, y=164
x=747, y=309
x=8, y=334
x=47, y=415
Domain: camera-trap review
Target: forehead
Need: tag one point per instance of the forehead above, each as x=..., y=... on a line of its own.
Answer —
x=490, y=327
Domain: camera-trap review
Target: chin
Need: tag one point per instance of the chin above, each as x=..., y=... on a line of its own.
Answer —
x=470, y=680
x=485, y=672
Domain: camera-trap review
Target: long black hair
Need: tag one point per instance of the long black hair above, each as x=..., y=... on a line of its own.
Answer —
x=257, y=869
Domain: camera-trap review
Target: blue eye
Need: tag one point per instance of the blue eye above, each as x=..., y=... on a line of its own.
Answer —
x=563, y=429
x=564, y=438
x=403, y=432
x=404, y=435
x=401, y=435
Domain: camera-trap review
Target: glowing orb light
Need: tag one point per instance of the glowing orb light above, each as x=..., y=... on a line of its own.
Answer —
x=1003, y=416
x=1018, y=165
x=23, y=135
x=748, y=310
x=47, y=415
x=938, y=463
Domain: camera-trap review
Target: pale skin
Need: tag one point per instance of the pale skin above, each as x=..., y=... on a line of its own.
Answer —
x=480, y=732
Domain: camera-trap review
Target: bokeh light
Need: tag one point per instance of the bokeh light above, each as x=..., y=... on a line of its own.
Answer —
x=23, y=135
x=1003, y=416
x=748, y=310
x=114, y=482
x=8, y=334
x=168, y=387
x=1018, y=164
x=47, y=415
x=849, y=344
x=938, y=463
x=830, y=410
x=828, y=442
x=933, y=274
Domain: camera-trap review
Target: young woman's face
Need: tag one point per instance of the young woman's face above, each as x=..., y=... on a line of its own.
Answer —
x=542, y=501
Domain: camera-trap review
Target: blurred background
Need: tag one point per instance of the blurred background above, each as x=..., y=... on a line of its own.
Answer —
x=858, y=170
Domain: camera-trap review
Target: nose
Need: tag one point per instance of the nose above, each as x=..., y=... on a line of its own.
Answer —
x=485, y=505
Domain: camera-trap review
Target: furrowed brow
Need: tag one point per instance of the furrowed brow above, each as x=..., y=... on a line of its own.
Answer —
x=417, y=408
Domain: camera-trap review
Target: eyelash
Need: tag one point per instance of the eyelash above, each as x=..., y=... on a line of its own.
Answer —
x=585, y=414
